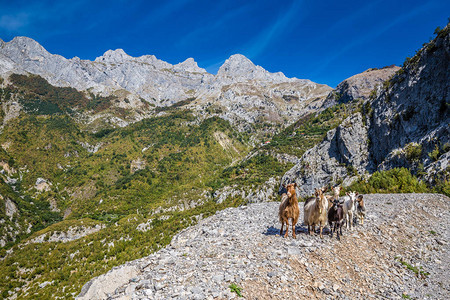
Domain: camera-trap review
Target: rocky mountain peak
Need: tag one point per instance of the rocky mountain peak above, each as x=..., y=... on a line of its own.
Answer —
x=1, y=43
x=113, y=56
x=23, y=46
x=189, y=65
x=240, y=68
x=237, y=65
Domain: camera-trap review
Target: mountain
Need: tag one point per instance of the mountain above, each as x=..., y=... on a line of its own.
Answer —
x=404, y=123
x=93, y=151
x=241, y=92
x=104, y=162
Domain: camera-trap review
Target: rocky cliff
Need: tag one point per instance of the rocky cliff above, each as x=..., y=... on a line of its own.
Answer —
x=360, y=85
x=404, y=123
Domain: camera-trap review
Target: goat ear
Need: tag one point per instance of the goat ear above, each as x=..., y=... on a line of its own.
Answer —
x=356, y=193
x=295, y=184
x=347, y=194
x=283, y=185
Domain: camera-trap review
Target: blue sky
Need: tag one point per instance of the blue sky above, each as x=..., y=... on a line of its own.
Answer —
x=325, y=41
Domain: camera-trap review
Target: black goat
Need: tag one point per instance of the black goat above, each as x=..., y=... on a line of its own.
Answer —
x=336, y=216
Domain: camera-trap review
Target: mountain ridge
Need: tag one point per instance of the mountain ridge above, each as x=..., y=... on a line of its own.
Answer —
x=115, y=72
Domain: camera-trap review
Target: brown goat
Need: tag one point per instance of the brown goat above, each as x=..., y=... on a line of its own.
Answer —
x=289, y=209
x=360, y=209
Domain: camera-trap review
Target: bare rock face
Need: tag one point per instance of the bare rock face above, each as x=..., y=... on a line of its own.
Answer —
x=343, y=153
x=239, y=68
x=71, y=234
x=10, y=208
x=42, y=185
x=104, y=285
x=414, y=106
x=360, y=85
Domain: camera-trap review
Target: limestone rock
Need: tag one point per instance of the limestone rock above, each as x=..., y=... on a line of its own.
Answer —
x=360, y=85
x=243, y=246
x=104, y=285
x=42, y=185
x=10, y=208
x=330, y=160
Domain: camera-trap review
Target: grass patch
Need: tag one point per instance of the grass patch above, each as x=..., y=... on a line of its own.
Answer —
x=235, y=289
x=417, y=270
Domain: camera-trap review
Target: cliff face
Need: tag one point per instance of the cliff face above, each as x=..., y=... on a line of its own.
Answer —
x=413, y=107
x=342, y=153
x=360, y=85
x=404, y=124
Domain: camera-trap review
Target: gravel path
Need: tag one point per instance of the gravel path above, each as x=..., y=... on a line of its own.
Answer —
x=401, y=250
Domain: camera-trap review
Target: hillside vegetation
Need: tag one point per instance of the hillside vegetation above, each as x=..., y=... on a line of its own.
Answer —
x=155, y=172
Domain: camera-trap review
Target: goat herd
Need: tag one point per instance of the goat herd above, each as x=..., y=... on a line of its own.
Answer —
x=320, y=209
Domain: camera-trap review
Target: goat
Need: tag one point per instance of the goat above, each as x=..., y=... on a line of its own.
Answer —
x=349, y=209
x=289, y=209
x=324, y=189
x=336, y=216
x=360, y=209
x=315, y=212
x=336, y=190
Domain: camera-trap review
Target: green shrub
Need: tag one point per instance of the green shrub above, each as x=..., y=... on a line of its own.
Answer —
x=398, y=180
x=434, y=155
x=413, y=152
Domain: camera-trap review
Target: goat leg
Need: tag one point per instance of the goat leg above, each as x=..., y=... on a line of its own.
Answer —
x=331, y=228
x=320, y=230
x=337, y=225
x=293, y=230
x=287, y=229
x=281, y=230
x=350, y=221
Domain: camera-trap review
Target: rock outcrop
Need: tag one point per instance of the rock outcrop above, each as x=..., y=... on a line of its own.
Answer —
x=393, y=255
x=72, y=233
x=343, y=147
x=405, y=123
x=360, y=85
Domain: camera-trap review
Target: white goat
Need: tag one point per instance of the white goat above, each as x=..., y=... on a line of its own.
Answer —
x=336, y=190
x=349, y=209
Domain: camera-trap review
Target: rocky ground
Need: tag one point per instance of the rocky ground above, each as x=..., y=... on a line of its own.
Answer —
x=401, y=251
